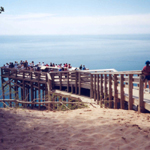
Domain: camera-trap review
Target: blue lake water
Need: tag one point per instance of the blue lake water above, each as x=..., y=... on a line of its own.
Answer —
x=121, y=52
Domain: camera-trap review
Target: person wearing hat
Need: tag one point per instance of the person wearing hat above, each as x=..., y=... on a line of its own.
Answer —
x=146, y=72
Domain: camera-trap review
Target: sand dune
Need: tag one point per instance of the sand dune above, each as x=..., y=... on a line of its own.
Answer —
x=83, y=129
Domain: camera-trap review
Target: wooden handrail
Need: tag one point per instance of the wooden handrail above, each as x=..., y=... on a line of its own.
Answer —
x=102, y=85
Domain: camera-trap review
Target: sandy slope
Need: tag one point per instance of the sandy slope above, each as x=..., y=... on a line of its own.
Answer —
x=83, y=129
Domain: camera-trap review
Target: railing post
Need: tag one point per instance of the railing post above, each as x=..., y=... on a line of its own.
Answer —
x=115, y=91
x=101, y=87
x=67, y=81
x=95, y=87
x=9, y=88
x=23, y=84
x=110, y=91
x=141, y=102
x=46, y=78
x=15, y=73
x=130, y=103
x=105, y=86
x=49, y=96
x=79, y=77
x=8, y=72
x=98, y=89
x=31, y=92
x=122, y=91
x=39, y=94
x=52, y=81
x=23, y=74
x=72, y=88
x=39, y=77
x=76, y=81
x=2, y=69
x=3, y=90
x=31, y=75
x=91, y=88
x=60, y=80
x=16, y=92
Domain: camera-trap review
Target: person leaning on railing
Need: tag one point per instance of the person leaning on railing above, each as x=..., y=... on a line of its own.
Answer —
x=146, y=72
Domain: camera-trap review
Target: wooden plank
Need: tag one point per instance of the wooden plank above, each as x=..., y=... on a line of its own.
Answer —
x=50, y=84
x=15, y=81
x=122, y=91
x=3, y=90
x=141, y=102
x=17, y=93
x=39, y=94
x=35, y=95
x=98, y=93
x=79, y=78
x=9, y=88
x=67, y=81
x=110, y=91
x=15, y=73
x=76, y=80
x=10, y=92
x=52, y=81
x=72, y=88
x=91, y=84
x=23, y=84
x=46, y=78
x=130, y=103
x=95, y=87
x=2, y=71
x=31, y=75
x=43, y=91
x=105, y=86
x=101, y=87
x=31, y=88
x=60, y=80
x=115, y=91
x=28, y=88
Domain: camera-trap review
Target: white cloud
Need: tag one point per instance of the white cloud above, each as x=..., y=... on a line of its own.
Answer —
x=28, y=16
x=51, y=24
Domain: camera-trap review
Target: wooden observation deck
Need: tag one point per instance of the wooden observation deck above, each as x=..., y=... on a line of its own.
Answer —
x=116, y=87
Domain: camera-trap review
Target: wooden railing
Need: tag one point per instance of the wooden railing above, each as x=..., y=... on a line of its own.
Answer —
x=119, y=87
x=31, y=75
x=116, y=87
x=56, y=102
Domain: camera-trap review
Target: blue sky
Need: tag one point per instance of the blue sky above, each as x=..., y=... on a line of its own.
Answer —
x=61, y=17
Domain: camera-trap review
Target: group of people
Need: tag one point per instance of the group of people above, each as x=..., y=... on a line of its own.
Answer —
x=31, y=66
x=82, y=67
x=25, y=65
x=146, y=72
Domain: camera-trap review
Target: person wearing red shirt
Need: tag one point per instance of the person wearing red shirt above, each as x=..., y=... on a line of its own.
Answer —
x=146, y=72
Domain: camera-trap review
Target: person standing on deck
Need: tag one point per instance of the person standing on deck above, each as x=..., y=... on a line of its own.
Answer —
x=80, y=67
x=146, y=72
x=39, y=64
x=43, y=64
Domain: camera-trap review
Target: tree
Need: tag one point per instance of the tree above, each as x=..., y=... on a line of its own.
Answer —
x=1, y=9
